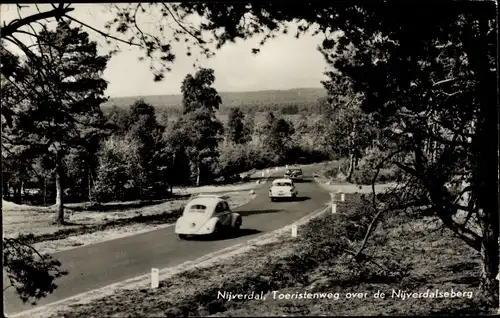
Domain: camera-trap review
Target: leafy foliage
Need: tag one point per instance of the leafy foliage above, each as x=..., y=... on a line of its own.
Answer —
x=197, y=133
x=276, y=134
x=198, y=93
x=29, y=272
x=61, y=91
x=237, y=131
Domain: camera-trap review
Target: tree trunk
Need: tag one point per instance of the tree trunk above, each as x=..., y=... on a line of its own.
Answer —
x=22, y=194
x=4, y=190
x=17, y=194
x=198, y=173
x=59, y=193
x=489, y=256
x=44, y=191
x=7, y=191
x=89, y=177
x=351, y=167
x=486, y=167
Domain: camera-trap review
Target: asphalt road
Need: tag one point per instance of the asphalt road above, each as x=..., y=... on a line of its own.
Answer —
x=98, y=265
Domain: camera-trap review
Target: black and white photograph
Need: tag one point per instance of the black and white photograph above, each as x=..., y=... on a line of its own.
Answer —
x=250, y=159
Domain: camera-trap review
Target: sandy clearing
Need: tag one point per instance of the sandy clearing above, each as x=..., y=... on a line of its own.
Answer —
x=33, y=221
x=223, y=256
x=336, y=187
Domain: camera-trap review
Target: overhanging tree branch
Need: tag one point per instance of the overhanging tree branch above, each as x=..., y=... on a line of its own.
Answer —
x=16, y=24
x=200, y=41
x=106, y=35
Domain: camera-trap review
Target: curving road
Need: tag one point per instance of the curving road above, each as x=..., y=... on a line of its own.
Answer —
x=98, y=265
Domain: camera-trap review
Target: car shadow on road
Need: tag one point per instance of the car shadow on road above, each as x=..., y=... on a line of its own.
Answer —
x=300, y=199
x=302, y=181
x=226, y=235
x=297, y=199
x=255, y=212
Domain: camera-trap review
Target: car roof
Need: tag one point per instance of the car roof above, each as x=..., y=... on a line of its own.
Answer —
x=209, y=202
x=282, y=180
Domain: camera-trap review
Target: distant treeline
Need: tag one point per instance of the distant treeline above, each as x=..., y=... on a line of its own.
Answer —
x=286, y=102
x=285, y=108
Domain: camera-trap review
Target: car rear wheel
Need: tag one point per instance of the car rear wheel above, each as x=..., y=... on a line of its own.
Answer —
x=237, y=224
x=217, y=230
x=183, y=236
x=273, y=199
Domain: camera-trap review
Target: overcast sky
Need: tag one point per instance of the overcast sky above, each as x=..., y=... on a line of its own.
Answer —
x=283, y=63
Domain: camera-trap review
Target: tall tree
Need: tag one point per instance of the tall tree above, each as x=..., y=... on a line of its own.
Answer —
x=198, y=131
x=344, y=129
x=145, y=128
x=276, y=135
x=119, y=169
x=198, y=134
x=61, y=89
x=437, y=114
x=249, y=124
x=119, y=118
x=197, y=91
x=236, y=130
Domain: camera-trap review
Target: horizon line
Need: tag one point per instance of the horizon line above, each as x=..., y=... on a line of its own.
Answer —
x=250, y=91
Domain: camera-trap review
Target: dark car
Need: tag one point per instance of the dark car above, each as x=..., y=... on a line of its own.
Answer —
x=294, y=174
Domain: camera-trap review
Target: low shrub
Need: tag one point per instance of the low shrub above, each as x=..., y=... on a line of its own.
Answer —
x=364, y=175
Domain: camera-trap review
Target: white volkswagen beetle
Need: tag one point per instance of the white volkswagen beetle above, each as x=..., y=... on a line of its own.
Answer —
x=207, y=214
x=283, y=188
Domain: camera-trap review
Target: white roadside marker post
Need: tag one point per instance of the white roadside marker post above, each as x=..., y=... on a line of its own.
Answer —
x=294, y=230
x=276, y=169
x=263, y=174
x=267, y=171
x=155, y=277
x=342, y=197
x=332, y=202
x=334, y=208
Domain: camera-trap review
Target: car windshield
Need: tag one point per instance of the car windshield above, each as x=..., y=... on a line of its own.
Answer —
x=287, y=171
x=283, y=184
x=297, y=171
x=197, y=208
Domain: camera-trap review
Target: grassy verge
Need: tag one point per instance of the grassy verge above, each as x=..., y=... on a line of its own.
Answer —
x=87, y=221
x=414, y=258
x=165, y=217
